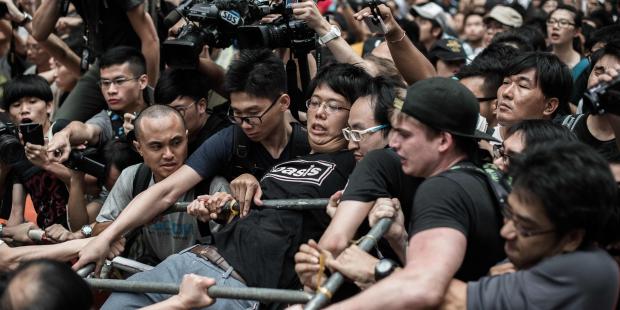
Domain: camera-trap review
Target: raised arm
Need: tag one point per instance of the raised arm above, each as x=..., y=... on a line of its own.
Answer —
x=76, y=133
x=45, y=18
x=143, y=25
x=433, y=258
x=409, y=61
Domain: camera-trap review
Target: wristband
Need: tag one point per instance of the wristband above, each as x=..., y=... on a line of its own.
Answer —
x=26, y=20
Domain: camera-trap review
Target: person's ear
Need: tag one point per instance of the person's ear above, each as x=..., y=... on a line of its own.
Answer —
x=144, y=81
x=436, y=31
x=137, y=146
x=284, y=102
x=550, y=106
x=49, y=108
x=202, y=105
x=445, y=141
x=572, y=240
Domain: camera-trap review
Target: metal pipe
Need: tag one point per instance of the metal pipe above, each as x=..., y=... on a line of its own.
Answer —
x=86, y=270
x=216, y=291
x=325, y=292
x=279, y=204
x=129, y=265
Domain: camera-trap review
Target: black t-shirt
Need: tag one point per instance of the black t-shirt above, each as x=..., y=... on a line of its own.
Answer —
x=48, y=193
x=261, y=246
x=107, y=23
x=608, y=149
x=6, y=201
x=215, y=156
x=462, y=200
x=380, y=175
x=214, y=124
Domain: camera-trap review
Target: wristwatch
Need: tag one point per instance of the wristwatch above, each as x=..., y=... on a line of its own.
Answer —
x=1, y=229
x=26, y=20
x=86, y=230
x=334, y=32
x=384, y=268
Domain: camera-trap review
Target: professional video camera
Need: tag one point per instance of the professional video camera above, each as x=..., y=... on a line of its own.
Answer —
x=11, y=150
x=213, y=23
x=604, y=98
x=283, y=32
x=85, y=161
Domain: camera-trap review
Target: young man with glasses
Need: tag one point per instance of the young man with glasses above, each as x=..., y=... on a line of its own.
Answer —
x=123, y=81
x=553, y=241
x=563, y=26
x=261, y=138
x=186, y=90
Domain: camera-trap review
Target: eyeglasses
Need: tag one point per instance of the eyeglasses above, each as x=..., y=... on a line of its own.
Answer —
x=358, y=135
x=118, y=82
x=485, y=99
x=181, y=109
x=563, y=23
x=331, y=107
x=524, y=232
x=250, y=120
x=500, y=152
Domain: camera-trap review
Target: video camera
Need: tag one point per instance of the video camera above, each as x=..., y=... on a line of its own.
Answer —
x=218, y=23
x=604, y=98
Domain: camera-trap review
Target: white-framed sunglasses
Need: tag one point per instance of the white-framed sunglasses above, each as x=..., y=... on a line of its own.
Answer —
x=358, y=135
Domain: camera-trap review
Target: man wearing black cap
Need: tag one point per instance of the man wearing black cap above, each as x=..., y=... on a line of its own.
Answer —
x=455, y=220
x=448, y=56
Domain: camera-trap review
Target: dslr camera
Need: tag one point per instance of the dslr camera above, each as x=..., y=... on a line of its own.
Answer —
x=604, y=98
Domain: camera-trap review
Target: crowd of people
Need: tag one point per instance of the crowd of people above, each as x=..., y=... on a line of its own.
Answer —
x=485, y=130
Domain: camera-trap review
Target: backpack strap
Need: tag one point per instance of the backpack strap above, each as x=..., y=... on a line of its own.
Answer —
x=570, y=121
x=495, y=179
x=579, y=68
x=299, y=141
x=141, y=180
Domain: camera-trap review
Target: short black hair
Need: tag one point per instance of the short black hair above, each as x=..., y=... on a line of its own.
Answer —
x=120, y=154
x=535, y=36
x=349, y=81
x=577, y=15
x=603, y=35
x=259, y=73
x=50, y=283
x=612, y=48
x=575, y=186
x=31, y=85
x=175, y=83
x=538, y=131
x=155, y=111
x=552, y=76
x=488, y=68
x=124, y=54
x=515, y=39
x=383, y=91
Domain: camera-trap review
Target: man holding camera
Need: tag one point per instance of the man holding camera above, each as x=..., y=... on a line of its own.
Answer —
x=123, y=80
x=108, y=24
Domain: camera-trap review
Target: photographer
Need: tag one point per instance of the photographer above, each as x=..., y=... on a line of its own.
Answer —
x=599, y=130
x=109, y=24
x=28, y=99
x=123, y=80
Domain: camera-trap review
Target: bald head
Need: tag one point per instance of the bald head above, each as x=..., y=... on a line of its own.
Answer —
x=157, y=111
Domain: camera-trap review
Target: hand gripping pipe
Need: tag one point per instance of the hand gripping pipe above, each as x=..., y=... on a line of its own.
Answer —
x=331, y=285
x=216, y=291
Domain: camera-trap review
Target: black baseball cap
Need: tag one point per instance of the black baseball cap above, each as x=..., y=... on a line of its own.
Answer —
x=443, y=104
x=448, y=50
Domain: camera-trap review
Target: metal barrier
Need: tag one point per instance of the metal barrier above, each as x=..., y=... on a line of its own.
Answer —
x=216, y=291
x=279, y=204
x=325, y=292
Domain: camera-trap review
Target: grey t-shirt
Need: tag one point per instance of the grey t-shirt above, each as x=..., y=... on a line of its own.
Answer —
x=165, y=235
x=102, y=120
x=579, y=280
